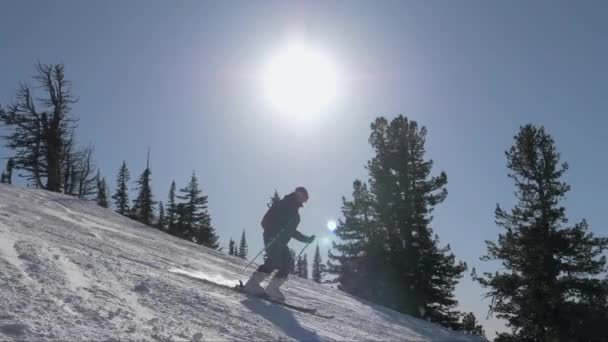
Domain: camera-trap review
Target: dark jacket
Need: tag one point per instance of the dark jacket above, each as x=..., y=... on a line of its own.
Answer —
x=282, y=220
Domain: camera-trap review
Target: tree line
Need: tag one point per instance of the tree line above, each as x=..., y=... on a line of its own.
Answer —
x=42, y=136
x=552, y=283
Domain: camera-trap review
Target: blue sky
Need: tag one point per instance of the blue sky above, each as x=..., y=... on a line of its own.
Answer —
x=180, y=77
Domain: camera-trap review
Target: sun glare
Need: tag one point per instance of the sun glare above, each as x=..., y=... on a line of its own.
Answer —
x=332, y=225
x=300, y=80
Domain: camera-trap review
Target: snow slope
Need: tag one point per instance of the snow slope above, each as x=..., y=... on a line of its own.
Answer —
x=70, y=270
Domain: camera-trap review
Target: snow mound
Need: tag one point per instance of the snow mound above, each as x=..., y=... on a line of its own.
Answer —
x=70, y=270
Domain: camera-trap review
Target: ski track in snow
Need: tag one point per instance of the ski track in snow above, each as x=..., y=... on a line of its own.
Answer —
x=70, y=270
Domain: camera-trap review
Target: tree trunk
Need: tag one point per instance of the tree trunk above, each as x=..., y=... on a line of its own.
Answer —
x=54, y=160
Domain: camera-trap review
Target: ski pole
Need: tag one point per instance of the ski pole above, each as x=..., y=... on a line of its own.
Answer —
x=263, y=249
x=302, y=251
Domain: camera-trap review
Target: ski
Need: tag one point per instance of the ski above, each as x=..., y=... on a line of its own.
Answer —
x=238, y=288
x=312, y=311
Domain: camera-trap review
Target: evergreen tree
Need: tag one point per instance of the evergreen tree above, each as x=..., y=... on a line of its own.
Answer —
x=231, y=247
x=328, y=267
x=549, y=287
x=143, y=205
x=298, y=269
x=304, y=268
x=7, y=176
x=292, y=262
x=243, y=248
x=172, y=211
x=388, y=252
x=161, y=222
x=274, y=199
x=121, y=196
x=470, y=325
x=360, y=262
x=318, y=268
x=102, y=191
x=181, y=223
x=194, y=221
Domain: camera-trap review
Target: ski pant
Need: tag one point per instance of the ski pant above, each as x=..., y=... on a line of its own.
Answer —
x=278, y=258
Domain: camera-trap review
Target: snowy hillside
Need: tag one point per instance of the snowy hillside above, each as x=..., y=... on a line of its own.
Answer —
x=70, y=270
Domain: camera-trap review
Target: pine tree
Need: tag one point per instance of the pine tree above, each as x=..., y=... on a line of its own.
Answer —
x=121, y=196
x=172, y=211
x=328, y=265
x=298, y=270
x=243, y=249
x=161, y=222
x=7, y=176
x=181, y=223
x=549, y=287
x=274, y=199
x=304, y=267
x=360, y=260
x=388, y=252
x=470, y=325
x=102, y=191
x=318, y=268
x=231, y=247
x=143, y=205
x=292, y=262
x=194, y=221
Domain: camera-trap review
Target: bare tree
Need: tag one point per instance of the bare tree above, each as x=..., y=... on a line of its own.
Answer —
x=85, y=174
x=57, y=123
x=43, y=138
x=39, y=137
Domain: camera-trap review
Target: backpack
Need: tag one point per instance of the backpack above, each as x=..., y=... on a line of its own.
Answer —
x=267, y=220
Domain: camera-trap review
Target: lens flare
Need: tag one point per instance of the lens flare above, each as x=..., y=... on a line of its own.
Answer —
x=332, y=225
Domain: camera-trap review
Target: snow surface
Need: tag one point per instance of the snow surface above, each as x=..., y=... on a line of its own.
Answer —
x=70, y=270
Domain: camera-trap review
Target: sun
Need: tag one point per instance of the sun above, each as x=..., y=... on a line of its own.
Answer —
x=332, y=225
x=300, y=80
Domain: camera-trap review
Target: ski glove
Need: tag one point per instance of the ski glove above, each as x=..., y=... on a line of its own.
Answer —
x=310, y=239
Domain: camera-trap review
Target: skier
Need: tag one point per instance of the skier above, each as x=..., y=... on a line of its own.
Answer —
x=279, y=223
